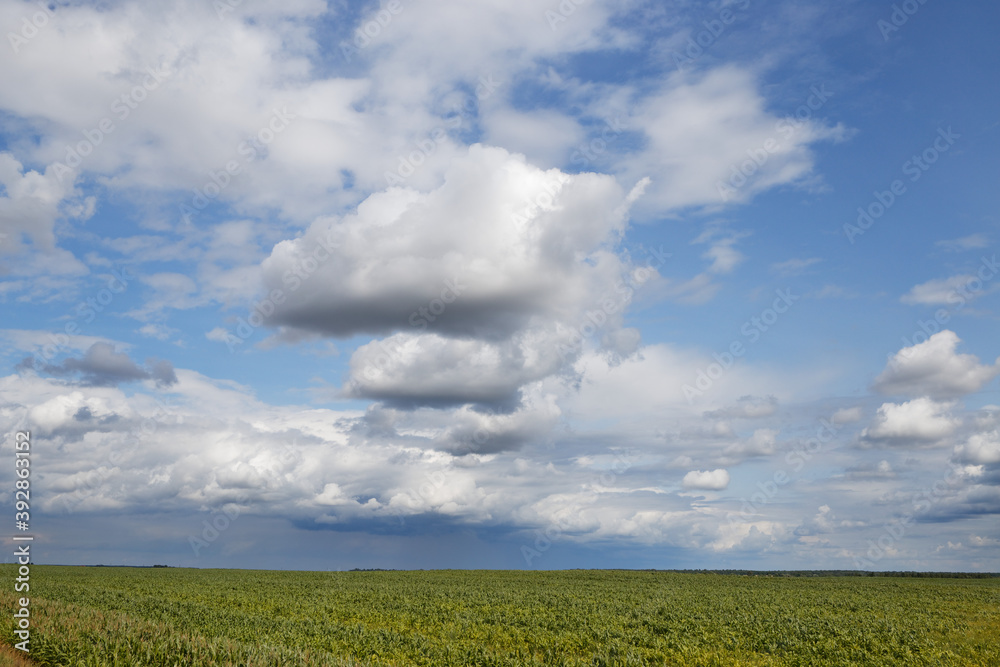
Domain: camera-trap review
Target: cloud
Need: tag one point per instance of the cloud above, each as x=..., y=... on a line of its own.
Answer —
x=760, y=443
x=918, y=422
x=714, y=480
x=457, y=40
x=500, y=242
x=697, y=290
x=217, y=334
x=724, y=257
x=698, y=132
x=701, y=288
x=429, y=369
x=218, y=80
x=847, y=415
x=794, y=267
x=832, y=292
x=946, y=291
x=69, y=416
x=980, y=449
x=543, y=135
x=971, y=242
x=470, y=431
x=171, y=290
x=158, y=331
x=871, y=470
x=102, y=366
x=215, y=444
x=206, y=85
x=31, y=203
x=748, y=407
x=483, y=283
x=932, y=368
x=821, y=523
x=29, y=206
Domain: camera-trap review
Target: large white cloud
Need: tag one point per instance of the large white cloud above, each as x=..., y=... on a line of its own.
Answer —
x=982, y=444
x=917, y=422
x=933, y=368
x=485, y=283
x=980, y=449
x=497, y=244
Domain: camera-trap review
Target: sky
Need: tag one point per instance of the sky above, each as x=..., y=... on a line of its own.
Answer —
x=521, y=284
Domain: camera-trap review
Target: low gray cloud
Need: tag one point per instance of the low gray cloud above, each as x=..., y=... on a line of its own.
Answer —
x=407, y=370
x=102, y=366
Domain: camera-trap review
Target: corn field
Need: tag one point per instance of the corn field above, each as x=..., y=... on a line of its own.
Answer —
x=165, y=617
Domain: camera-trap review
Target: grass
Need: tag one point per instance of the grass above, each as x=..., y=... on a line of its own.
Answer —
x=10, y=657
x=124, y=616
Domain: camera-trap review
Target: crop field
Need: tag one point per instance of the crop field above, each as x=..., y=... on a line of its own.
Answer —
x=165, y=617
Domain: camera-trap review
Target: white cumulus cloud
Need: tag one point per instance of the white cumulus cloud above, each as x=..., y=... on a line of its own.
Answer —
x=933, y=368
x=711, y=480
x=920, y=421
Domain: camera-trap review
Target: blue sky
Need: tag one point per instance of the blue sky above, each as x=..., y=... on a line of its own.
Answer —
x=516, y=285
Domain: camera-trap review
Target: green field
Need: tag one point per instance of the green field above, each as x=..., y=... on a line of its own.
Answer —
x=131, y=617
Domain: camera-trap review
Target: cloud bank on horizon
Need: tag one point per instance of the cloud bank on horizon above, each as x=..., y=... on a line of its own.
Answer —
x=579, y=284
